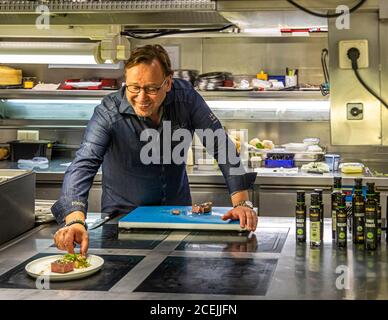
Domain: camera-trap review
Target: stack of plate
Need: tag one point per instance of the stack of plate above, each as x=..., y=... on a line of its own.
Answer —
x=211, y=80
x=188, y=75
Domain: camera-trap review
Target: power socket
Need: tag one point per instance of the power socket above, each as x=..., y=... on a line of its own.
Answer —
x=345, y=45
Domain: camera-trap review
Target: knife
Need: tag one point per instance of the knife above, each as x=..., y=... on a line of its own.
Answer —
x=99, y=222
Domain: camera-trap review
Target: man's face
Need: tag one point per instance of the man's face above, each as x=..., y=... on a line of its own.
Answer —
x=145, y=76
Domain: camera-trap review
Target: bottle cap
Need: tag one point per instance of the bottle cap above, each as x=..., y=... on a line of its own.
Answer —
x=300, y=196
x=315, y=199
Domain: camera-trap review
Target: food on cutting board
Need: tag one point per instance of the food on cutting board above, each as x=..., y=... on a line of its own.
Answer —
x=176, y=212
x=69, y=262
x=202, y=208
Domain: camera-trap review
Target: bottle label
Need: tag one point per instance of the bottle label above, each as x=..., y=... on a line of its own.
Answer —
x=315, y=231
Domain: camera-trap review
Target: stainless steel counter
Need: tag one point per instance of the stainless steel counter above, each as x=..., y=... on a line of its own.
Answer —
x=274, y=193
x=234, y=262
x=56, y=170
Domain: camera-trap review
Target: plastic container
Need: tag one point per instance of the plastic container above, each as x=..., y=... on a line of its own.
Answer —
x=278, y=78
x=351, y=167
x=26, y=149
x=29, y=82
x=270, y=163
x=333, y=160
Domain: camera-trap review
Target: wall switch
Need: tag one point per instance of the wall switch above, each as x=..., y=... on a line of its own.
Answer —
x=355, y=111
x=345, y=45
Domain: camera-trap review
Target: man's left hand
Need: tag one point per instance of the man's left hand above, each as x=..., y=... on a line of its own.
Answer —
x=248, y=217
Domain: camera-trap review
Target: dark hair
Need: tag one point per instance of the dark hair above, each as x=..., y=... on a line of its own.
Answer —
x=147, y=54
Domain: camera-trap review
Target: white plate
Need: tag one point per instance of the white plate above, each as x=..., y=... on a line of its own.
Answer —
x=82, y=84
x=234, y=89
x=42, y=267
x=295, y=147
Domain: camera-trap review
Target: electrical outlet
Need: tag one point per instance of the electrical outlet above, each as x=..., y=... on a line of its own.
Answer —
x=345, y=45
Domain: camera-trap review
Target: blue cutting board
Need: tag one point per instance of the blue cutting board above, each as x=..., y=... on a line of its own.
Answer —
x=161, y=217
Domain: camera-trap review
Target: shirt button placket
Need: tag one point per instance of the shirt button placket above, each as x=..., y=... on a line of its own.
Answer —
x=164, y=185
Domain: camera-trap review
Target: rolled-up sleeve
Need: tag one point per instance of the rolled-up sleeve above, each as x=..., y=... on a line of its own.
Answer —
x=80, y=174
x=221, y=148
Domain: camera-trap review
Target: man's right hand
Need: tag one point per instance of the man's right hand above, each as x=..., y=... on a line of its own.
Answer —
x=66, y=237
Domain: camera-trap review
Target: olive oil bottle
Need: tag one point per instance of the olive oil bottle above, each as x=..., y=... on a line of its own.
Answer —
x=337, y=188
x=379, y=221
x=315, y=222
x=342, y=221
x=300, y=214
x=321, y=216
x=358, y=212
x=370, y=218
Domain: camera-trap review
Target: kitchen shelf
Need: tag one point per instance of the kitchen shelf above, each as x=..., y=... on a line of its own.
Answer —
x=57, y=94
x=274, y=95
x=208, y=95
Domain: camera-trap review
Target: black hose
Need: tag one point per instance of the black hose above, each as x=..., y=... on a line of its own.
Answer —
x=171, y=32
x=325, y=15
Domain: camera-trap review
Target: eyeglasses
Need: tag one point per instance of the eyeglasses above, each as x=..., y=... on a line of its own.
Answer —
x=148, y=90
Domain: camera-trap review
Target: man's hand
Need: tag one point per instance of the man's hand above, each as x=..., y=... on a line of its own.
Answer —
x=247, y=216
x=65, y=238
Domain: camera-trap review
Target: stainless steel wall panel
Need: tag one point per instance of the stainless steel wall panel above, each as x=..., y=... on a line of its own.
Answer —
x=345, y=87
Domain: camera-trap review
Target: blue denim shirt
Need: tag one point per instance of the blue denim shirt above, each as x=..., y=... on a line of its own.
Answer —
x=112, y=138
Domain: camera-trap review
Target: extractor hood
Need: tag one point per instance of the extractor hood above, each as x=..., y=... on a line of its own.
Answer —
x=93, y=19
x=133, y=13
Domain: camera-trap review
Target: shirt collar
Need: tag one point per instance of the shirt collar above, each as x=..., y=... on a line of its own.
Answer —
x=125, y=107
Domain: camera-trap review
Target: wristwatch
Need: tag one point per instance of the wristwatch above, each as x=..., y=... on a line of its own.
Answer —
x=244, y=203
x=77, y=221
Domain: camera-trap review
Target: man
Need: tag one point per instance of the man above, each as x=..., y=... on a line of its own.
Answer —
x=113, y=138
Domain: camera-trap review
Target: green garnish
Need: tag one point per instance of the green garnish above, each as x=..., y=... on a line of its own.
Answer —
x=79, y=261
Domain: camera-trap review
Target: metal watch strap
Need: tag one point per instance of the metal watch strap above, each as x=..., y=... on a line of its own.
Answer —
x=244, y=203
x=77, y=221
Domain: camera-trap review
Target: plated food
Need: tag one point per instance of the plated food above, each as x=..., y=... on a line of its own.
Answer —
x=64, y=267
x=69, y=262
